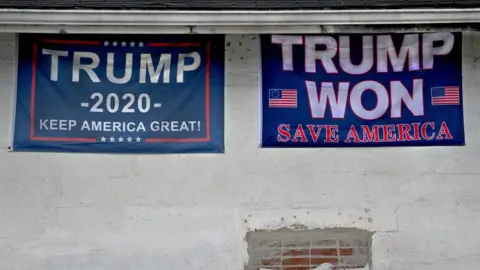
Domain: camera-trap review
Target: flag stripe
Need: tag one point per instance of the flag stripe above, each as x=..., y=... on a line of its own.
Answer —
x=282, y=98
x=446, y=95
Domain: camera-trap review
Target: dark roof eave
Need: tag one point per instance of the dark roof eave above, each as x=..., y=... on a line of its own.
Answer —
x=218, y=5
x=239, y=21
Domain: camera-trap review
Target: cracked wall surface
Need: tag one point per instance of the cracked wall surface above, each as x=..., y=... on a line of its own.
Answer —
x=184, y=212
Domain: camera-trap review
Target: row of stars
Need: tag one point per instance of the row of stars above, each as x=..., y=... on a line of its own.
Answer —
x=120, y=139
x=123, y=43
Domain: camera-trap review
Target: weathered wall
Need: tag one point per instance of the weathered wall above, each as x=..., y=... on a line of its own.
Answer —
x=81, y=211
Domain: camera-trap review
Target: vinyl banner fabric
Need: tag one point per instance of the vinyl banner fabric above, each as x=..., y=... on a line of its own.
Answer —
x=362, y=90
x=120, y=93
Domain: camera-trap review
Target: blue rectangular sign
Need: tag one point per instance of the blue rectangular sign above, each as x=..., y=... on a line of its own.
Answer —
x=402, y=89
x=120, y=93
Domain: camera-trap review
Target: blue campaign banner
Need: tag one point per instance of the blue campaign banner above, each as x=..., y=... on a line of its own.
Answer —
x=348, y=90
x=120, y=93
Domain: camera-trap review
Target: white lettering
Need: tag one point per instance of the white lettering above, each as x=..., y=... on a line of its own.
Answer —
x=327, y=94
x=54, y=62
x=106, y=126
x=57, y=124
x=356, y=100
x=325, y=56
x=165, y=126
x=184, y=126
x=88, y=68
x=43, y=124
x=71, y=124
x=181, y=68
x=400, y=94
x=386, y=50
x=163, y=64
x=173, y=126
x=113, y=126
x=111, y=67
x=287, y=43
x=346, y=62
x=429, y=51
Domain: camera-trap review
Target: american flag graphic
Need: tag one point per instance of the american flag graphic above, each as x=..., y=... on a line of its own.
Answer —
x=282, y=98
x=445, y=95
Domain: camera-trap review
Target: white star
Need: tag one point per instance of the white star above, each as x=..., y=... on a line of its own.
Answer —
x=138, y=139
x=140, y=44
x=132, y=44
x=129, y=139
x=112, y=139
x=124, y=44
x=103, y=139
x=120, y=139
x=115, y=43
x=106, y=43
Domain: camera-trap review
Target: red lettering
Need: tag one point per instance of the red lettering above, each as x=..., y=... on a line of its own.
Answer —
x=388, y=135
x=371, y=135
x=424, y=131
x=331, y=133
x=315, y=135
x=299, y=133
x=444, y=131
x=416, y=131
x=352, y=133
x=284, y=133
x=404, y=132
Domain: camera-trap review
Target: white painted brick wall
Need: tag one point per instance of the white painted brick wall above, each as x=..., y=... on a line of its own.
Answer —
x=184, y=212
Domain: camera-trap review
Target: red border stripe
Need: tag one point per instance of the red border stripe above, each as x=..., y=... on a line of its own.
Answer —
x=168, y=44
x=63, y=139
x=207, y=87
x=32, y=91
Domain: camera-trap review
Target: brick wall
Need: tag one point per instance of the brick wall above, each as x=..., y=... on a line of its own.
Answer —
x=307, y=249
x=306, y=259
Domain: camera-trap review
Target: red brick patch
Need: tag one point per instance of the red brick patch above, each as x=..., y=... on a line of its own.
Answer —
x=305, y=259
